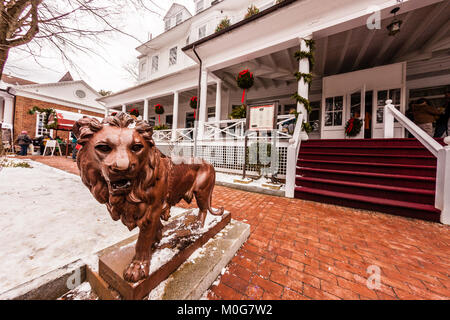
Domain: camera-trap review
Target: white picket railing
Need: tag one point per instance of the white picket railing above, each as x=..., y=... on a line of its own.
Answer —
x=442, y=198
x=235, y=129
x=178, y=135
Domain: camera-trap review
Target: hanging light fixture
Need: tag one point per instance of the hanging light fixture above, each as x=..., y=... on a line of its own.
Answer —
x=394, y=26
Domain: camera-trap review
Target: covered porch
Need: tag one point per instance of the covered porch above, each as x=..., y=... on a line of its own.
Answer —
x=358, y=70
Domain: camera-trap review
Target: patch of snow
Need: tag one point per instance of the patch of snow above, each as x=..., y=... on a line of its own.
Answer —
x=49, y=219
x=228, y=178
x=161, y=257
x=158, y=292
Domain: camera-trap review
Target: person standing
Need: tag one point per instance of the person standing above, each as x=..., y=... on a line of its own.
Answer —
x=425, y=114
x=442, y=122
x=23, y=140
x=74, y=148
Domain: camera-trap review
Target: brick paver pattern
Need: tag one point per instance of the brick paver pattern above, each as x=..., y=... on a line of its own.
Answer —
x=305, y=250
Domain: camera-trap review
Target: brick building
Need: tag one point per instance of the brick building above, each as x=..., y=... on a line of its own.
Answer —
x=70, y=99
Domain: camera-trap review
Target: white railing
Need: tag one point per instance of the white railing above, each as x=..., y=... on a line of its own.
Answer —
x=235, y=129
x=442, y=198
x=292, y=156
x=226, y=129
x=178, y=135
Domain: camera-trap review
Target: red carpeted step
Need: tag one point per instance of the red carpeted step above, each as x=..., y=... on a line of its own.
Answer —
x=366, y=142
x=376, y=158
x=412, y=195
x=428, y=183
x=396, y=176
x=418, y=170
x=400, y=208
x=365, y=149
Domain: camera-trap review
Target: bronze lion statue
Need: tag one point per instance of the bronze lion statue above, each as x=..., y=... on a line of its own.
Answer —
x=123, y=169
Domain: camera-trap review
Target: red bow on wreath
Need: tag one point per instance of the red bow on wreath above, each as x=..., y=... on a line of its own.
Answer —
x=193, y=105
x=350, y=125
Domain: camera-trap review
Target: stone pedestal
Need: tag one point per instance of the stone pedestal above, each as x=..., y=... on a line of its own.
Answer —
x=181, y=237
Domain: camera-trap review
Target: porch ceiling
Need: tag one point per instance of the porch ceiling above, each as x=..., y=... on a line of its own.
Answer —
x=423, y=31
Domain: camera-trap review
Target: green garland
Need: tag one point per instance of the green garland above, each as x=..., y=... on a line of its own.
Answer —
x=306, y=77
x=47, y=113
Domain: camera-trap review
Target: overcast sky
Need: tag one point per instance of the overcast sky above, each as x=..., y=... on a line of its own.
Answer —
x=101, y=73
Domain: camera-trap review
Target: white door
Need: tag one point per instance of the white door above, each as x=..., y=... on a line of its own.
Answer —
x=333, y=117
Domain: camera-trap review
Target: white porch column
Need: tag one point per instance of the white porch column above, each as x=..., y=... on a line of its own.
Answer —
x=8, y=111
x=106, y=112
x=218, y=106
x=203, y=110
x=175, y=115
x=124, y=108
x=303, y=87
x=146, y=109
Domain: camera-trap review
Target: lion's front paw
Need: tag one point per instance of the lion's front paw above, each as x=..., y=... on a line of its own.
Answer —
x=137, y=270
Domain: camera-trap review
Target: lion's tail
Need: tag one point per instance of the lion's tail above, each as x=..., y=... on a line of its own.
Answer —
x=217, y=212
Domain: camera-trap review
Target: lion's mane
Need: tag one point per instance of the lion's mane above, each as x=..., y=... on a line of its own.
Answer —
x=129, y=208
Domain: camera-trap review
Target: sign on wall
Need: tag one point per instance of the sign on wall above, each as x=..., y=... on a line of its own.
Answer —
x=262, y=117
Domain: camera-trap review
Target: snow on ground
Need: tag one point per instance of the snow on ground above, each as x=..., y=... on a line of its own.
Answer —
x=48, y=219
x=228, y=178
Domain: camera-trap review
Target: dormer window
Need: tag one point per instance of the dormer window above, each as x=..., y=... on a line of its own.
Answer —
x=179, y=18
x=201, y=32
x=173, y=56
x=155, y=64
x=199, y=6
x=167, y=27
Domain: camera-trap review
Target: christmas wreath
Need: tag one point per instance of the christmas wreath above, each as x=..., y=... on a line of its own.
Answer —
x=245, y=81
x=193, y=102
x=49, y=114
x=353, y=127
x=159, y=110
x=134, y=112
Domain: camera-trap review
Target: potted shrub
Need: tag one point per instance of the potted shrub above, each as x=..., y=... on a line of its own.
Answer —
x=251, y=11
x=224, y=23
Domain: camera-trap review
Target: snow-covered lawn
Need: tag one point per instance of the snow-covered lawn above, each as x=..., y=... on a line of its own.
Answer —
x=48, y=219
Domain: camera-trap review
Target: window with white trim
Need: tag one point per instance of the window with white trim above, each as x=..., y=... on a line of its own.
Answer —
x=334, y=107
x=173, y=56
x=179, y=18
x=40, y=130
x=382, y=96
x=199, y=6
x=167, y=24
x=155, y=64
x=201, y=32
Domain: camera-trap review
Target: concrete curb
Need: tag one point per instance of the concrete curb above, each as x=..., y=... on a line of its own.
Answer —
x=243, y=187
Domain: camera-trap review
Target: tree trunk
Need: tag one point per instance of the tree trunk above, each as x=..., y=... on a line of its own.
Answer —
x=4, y=52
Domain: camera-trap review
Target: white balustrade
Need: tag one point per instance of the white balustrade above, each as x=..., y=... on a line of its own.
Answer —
x=442, y=198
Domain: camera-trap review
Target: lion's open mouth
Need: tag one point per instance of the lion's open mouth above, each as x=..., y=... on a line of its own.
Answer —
x=120, y=185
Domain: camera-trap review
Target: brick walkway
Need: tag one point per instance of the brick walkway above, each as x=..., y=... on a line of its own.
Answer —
x=305, y=250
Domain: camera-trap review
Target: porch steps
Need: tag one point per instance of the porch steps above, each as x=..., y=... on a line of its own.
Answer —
x=395, y=176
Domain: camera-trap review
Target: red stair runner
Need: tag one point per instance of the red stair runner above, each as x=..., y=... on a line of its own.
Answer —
x=396, y=176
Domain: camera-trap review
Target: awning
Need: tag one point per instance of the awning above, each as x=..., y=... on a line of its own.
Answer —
x=67, y=119
x=65, y=124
